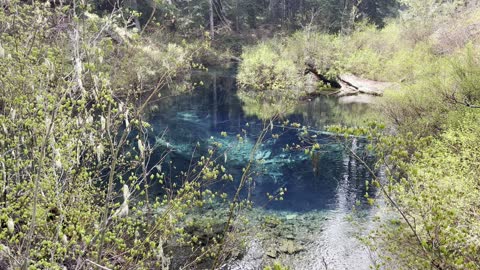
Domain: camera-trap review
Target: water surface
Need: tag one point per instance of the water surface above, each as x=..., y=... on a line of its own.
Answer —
x=330, y=184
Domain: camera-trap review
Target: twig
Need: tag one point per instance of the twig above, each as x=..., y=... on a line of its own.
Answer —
x=97, y=265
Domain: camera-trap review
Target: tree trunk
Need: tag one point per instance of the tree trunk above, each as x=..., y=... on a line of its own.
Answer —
x=273, y=8
x=134, y=6
x=349, y=14
x=237, y=20
x=344, y=17
x=212, y=25
x=215, y=101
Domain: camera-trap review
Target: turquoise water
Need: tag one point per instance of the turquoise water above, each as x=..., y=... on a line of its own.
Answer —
x=331, y=184
x=198, y=118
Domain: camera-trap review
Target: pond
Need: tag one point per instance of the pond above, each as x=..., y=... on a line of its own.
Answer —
x=321, y=191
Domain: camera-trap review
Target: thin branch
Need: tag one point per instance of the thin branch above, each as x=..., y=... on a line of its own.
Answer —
x=393, y=203
x=97, y=265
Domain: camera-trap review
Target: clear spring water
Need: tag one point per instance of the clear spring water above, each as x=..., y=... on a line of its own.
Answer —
x=330, y=184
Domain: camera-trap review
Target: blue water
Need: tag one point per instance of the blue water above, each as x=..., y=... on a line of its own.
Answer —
x=199, y=117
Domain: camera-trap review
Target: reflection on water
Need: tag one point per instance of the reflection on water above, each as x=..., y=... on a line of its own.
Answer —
x=333, y=182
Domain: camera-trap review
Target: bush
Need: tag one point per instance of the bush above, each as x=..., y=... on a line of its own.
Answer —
x=321, y=50
x=437, y=193
x=265, y=68
x=74, y=159
x=431, y=177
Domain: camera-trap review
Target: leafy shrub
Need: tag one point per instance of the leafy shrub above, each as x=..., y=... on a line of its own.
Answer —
x=321, y=50
x=265, y=68
x=437, y=195
x=365, y=63
x=432, y=182
x=445, y=84
x=74, y=159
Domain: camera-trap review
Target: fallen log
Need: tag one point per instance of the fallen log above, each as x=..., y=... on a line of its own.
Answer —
x=352, y=83
x=349, y=84
x=313, y=70
x=347, y=90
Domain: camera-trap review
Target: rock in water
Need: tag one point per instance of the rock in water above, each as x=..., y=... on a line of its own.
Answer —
x=290, y=247
x=291, y=216
x=272, y=253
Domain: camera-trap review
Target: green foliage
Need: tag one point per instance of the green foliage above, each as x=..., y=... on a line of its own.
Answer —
x=428, y=174
x=430, y=186
x=430, y=183
x=399, y=52
x=192, y=17
x=276, y=266
x=429, y=9
x=74, y=158
x=278, y=67
x=321, y=49
x=265, y=68
x=74, y=149
x=422, y=106
x=386, y=55
x=435, y=189
x=368, y=52
x=466, y=77
x=365, y=62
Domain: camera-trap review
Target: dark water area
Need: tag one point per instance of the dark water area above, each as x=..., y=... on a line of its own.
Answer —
x=189, y=123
